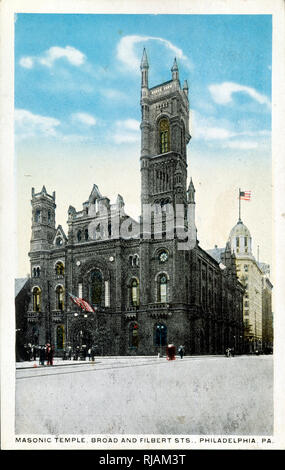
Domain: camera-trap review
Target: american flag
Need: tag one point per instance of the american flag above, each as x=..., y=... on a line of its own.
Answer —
x=245, y=195
x=82, y=303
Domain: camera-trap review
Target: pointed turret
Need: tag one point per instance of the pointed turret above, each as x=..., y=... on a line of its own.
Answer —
x=175, y=71
x=144, y=70
x=185, y=87
x=144, y=61
x=191, y=192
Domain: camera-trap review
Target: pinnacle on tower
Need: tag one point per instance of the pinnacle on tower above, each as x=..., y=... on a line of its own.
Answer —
x=174, y=70
x=191, y=192
x=185, y=87
x=144, y=61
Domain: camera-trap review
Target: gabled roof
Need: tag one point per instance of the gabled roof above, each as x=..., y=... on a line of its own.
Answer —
x=20, y=284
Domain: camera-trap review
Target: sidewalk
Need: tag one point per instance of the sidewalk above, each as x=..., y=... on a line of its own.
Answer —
x=58, y=361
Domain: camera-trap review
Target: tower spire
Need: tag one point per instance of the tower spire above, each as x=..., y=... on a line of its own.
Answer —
x=144, y=69
x=174, y=70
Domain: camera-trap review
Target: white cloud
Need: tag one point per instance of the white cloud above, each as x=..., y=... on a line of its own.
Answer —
x=113, y=94
x=222, y=93
x=72, y=55
x=211, y=129
x=127, y=131
x=28, y=124
x=127, y=55
x=84, y=118
x=241, y=144
x=26, y=62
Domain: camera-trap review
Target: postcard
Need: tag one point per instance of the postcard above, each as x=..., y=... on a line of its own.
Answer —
x=142, y=210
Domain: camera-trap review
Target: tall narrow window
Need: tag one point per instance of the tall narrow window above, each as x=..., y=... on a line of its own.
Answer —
x=59, y=269
x=49, y=217
x=237, y=242
x=60, y=337
x=164, y=136
x=135, y=292
x=59, y=298
x=37, y=299
x=86, y=235
x=96, y=287
x=38, y=215
x=133, y=335
x=79, y=235
x=162, y=288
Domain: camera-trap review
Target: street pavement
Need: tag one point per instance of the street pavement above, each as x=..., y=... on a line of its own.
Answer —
x=146, y=395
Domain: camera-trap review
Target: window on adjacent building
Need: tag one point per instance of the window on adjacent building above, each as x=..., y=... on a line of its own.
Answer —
x=79, y=235
x=237, y=242
x=246, y=268
x=86, y=235
x=49, y=217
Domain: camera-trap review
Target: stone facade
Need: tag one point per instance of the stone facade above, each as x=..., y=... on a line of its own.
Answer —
x=146, y=289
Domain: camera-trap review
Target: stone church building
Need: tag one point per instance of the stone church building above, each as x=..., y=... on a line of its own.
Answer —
x=147, y=290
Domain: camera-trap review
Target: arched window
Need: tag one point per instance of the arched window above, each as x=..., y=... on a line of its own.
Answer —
x=59, y=268
x=136, y=260
x=60, y=337
x=164, y=136
x=133, y=335
x=49, y=217
x=160, y=334
x=162, y=288
x=59, y=298
x=38, y=271
x=135, y=298
x=37, y=299
x=38, y=215
x=79, y=236
x=34, y=272
x=86, y=235
x=96, y=287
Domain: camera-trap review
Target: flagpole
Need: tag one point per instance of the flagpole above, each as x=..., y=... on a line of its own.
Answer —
x=239, y=219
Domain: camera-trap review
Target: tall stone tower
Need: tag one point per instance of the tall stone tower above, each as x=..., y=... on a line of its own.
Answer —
x=43, y=220
x=164, y=136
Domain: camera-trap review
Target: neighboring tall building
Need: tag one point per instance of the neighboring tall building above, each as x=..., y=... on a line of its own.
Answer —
x=147, y=291
x=257, y=310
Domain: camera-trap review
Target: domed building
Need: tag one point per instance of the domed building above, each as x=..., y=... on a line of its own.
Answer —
x=257, y=314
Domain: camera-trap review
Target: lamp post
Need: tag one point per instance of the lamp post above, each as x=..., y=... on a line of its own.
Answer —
x=160, y=329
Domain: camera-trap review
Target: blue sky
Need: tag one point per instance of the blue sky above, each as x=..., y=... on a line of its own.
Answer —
x=77, y=113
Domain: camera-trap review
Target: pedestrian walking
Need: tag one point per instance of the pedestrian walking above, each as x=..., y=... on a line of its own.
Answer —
x=89, y=354
x=69, y=352
x=42, y=356
x=34, y=352
x=181, y=351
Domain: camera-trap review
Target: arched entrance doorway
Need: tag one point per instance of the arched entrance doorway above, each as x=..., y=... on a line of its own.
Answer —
x=81, y=334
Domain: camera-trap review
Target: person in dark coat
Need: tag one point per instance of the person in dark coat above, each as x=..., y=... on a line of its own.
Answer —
x=181, y=351
x=34, y=353
x=42, y=355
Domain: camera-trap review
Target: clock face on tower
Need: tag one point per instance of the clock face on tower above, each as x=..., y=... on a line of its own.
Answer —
x=163, y=257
